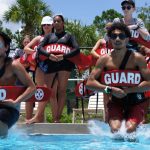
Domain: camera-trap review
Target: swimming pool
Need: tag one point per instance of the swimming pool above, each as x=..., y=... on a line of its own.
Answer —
x=99, y=139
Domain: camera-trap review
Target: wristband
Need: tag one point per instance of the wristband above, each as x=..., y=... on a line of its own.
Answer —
x=138, y=27
x=108, y=90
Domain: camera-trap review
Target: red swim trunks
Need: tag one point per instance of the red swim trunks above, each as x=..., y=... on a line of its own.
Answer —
x=134, y=113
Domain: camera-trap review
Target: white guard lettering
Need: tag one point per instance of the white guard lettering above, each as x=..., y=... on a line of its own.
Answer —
x=107, y=79
x=122, y=77
x=137, y=78
x=48, y=49
x=58, y=48
x=103, y=51
x=115, y=77
x=2, y=94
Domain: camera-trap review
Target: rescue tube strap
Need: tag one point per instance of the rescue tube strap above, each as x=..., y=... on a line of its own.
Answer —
x=125, y=60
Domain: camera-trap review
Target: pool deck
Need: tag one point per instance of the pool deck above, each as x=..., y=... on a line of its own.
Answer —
x=54, y=128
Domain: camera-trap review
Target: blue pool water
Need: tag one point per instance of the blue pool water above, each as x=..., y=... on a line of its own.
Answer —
x=99, y=139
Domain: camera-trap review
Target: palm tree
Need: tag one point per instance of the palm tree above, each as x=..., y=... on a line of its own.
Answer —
x=85, y=35
x=106, y=16
x=29, y=13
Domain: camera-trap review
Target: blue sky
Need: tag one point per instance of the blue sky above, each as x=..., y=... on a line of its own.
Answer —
x=83, y=10
x=86, y=10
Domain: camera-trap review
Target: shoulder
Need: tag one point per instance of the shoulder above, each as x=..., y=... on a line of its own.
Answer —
x=35, y=40
x=139, y=58
x=37, y=37
x=16, y=65
x=104, y=59
x=68, y=34
x=140, y=22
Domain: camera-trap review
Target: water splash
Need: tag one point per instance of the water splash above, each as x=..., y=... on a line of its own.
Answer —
x=98, y=128
x=142, y=135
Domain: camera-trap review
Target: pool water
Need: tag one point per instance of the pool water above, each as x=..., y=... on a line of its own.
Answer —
x=99, y=139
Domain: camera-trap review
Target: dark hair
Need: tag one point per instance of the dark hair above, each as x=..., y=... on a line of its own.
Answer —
x=61, y=16
x=131, y=2
x=7, y=41
x=121, y=27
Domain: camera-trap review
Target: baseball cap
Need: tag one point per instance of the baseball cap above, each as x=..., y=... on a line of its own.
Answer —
x=47, y=20
x=131, y=2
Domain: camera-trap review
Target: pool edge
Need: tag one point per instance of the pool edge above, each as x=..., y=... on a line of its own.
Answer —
x=54, y=128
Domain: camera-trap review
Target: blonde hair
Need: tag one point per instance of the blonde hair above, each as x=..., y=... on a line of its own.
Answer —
x=108, y=25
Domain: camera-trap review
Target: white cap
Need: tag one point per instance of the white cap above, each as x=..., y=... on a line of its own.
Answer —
x=47, y=20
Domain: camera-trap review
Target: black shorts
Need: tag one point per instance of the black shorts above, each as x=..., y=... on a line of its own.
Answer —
x=8, y=115
x=49, y=66
x=131, y=99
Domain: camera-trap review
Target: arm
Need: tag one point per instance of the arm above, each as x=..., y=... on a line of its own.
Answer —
x=25, y=79
x=44, y=42
x=97, y=46
x=28, y=49
x=92, y=82
x=96, y=85
x=140, y=27
x=145, y=72
x=75, y=47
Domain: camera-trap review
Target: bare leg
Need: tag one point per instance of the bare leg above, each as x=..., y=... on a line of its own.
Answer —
x=106, y=100
x=54, y=102
x=46, y=80
x=3, y=129
x=62, y=84
x=114, y=125
x=29, y=110
x=131, y=126
x=29, y=105
x=39, y=116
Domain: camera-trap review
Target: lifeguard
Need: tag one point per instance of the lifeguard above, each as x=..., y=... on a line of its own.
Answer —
x=120, y=67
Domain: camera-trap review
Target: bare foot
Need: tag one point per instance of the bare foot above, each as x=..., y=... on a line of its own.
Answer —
x=34, y=120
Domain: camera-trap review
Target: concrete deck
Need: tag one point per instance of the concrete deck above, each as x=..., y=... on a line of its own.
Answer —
x=54, y=128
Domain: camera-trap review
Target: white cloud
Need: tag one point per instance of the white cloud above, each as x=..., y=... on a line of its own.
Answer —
x=4, y=6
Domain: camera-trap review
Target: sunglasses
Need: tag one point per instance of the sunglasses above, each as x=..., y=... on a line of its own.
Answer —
x=121, y=36
x=126, y=7
x=46, y=25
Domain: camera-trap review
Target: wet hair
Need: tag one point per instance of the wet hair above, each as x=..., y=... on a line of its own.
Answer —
x=7, y=41
x=121, y=27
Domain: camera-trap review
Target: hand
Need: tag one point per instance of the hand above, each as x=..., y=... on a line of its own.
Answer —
x=10, y=102
x=60, y=57
x=53, y=57
x=119, y=93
